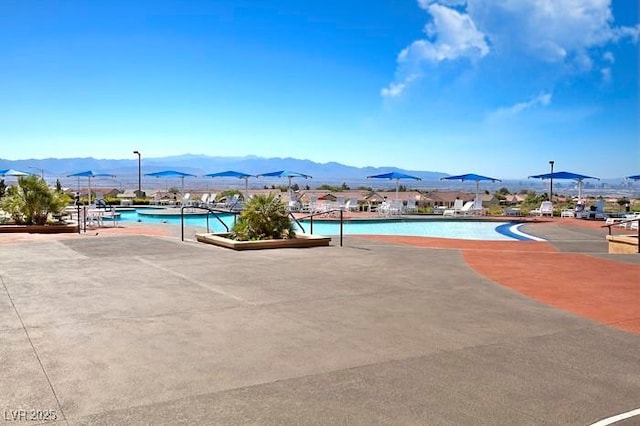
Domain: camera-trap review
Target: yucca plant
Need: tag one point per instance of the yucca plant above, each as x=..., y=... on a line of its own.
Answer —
x=31, y=201
x=265, y=217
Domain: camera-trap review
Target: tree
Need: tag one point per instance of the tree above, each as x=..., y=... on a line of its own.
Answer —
x=265, y=217
x=31, y=201
x=58, y=186
x=3, y=188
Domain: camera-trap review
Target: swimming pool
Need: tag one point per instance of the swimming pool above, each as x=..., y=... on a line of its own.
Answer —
x=459, y=229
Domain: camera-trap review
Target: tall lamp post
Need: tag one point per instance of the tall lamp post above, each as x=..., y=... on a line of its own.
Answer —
x=551, y=182
x=139, y=194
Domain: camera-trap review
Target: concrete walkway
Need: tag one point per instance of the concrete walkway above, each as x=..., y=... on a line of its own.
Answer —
x=119, y=328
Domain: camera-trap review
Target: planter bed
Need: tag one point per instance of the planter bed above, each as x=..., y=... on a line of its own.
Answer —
x=301, y=240
x=39, y=229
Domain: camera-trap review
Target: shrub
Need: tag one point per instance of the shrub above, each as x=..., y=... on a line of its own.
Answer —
x=265, y=217
x=31, y=201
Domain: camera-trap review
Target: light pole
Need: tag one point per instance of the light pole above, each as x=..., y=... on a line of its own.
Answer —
x=551, y=182
x=139, y=194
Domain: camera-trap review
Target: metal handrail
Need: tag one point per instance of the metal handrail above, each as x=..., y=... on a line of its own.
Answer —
x=310, y=216
x=211, y=210
x=625, y=221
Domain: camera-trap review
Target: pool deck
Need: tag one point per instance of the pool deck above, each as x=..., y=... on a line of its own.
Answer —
x=129, y=325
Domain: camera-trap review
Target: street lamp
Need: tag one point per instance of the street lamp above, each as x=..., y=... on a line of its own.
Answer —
x=551, y=182
x=139, y=194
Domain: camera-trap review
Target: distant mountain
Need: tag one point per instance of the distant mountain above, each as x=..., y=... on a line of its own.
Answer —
x=127, y=170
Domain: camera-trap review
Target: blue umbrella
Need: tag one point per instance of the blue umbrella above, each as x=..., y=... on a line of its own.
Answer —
x=239, y=175
x=566, y=175
x=171, y=173
x=474, y=178
x=285, y=173
x=89, y=175
x=394, y=175
x=634, y=177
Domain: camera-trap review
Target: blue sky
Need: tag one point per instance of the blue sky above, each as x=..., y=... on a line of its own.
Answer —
x=494, y=87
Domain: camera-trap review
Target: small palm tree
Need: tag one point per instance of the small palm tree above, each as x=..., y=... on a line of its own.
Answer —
x=30, y=202
x=265, y=217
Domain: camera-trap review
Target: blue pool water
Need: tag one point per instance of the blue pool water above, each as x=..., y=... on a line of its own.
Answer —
x=468, y=230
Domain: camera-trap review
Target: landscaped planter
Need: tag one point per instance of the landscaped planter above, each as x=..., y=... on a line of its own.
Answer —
x=39, y=229
x=301, y=240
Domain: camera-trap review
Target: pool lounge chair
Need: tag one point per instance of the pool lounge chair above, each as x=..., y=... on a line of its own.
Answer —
x=457, y=206
x=546, y=208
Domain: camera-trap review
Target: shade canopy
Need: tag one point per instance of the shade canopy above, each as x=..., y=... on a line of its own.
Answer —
x=12, y=172
x=474, y=178
x=230, y=173
x=563, y=175
x=285, y=173
x=169, y=173
x=172, y=173
x=567, y=176
x=89, y=174
x=634, y=177
x=394, y=175
x=289, y=174
x=234, y=174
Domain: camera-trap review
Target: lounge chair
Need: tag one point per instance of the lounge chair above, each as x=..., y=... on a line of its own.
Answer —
x=353, y=204
x=568, y=213
x=467, y=209
x=411, y=206
x=546, y=208
x=457, y=206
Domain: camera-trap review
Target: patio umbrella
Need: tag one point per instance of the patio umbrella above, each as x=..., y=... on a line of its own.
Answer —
x=394, y=175
x=634, y=177
x=89, y=175
x=285, y=173
x=566, y=175
x=172, y=173
x=472, y=177
x=239, y=175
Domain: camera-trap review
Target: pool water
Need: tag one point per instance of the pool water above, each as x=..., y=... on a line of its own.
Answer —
x=467, y=230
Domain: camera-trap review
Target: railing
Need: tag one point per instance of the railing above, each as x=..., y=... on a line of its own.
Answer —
x=620, y=222
x=211, y=210
x=324, y=212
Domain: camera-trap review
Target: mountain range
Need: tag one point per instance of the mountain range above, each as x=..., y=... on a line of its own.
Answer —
x=333, y=173
x=127, y=170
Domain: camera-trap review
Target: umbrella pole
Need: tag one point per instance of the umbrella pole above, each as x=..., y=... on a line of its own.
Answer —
x=89, y=178
x=397, y=188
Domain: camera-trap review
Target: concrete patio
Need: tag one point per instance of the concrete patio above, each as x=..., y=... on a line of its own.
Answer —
x=141, y=329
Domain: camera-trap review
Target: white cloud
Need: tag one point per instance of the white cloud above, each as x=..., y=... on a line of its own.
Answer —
x=450, y=35
x=606, y=75
x=608, y=57
x=540, y=100
x=396, y=89
x=567, y=33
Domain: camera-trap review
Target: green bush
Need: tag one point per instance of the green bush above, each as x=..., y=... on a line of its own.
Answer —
x=31, y=201
x=264, y=217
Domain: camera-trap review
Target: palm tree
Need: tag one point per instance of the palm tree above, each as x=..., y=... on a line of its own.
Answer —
x=265, y=217
x=31, y=201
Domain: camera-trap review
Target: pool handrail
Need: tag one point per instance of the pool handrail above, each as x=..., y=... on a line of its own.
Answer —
x=211, y=210
x=310, y=216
